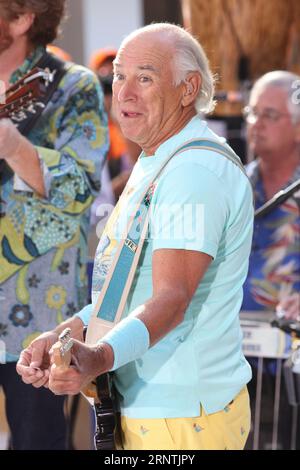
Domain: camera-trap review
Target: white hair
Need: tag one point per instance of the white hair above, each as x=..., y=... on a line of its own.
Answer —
x=188, y=56
x=286, y=81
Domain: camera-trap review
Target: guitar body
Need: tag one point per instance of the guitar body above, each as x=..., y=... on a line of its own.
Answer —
x=106, y=414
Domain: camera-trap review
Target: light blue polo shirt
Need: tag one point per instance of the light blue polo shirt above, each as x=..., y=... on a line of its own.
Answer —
x=202, y=202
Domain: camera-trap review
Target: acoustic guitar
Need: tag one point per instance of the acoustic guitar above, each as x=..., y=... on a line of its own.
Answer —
x=21, y=101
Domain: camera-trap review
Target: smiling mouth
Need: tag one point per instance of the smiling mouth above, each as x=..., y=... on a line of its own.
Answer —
x=129, y=114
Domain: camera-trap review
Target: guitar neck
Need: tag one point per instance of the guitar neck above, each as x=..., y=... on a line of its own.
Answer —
x=61, y=350
x=24, y=94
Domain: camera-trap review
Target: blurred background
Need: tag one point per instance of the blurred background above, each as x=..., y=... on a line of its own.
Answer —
x=243, y=39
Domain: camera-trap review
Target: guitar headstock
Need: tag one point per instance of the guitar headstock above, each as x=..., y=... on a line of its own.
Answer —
x=61, y=350
x=23, y=96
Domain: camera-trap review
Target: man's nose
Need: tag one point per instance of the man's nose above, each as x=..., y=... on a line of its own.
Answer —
x=126, y=91
x=259, y=120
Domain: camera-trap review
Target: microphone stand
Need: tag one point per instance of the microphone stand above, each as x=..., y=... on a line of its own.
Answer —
x=277, y=199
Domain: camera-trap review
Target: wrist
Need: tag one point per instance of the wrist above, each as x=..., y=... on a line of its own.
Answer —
x=129, y=340
x=104, y=358
x=15, y=151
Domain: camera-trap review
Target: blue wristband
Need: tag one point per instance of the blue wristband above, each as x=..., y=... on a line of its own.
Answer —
x=129, y=340
x=85, y=314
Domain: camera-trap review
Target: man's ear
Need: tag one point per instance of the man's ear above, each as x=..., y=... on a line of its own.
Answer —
x=191, y=88
x=22, y=24
x=297, y=132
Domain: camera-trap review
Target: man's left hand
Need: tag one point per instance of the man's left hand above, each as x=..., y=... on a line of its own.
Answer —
x=87, y=362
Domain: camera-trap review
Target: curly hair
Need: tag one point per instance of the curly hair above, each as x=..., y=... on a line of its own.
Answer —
x=48, y=16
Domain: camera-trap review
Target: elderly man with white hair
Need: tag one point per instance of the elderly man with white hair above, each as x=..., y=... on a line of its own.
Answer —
x=179, y=370
x=273, y=281
x=273, y=118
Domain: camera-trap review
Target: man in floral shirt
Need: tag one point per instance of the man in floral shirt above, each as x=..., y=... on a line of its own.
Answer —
x=273, y=281
x=48, y=182
x=273, y=118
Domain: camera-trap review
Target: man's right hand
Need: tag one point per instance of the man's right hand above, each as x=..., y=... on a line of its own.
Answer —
x=34, y=362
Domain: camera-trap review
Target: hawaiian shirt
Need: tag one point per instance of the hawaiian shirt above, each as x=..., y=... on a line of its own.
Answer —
x=43, y=241
x=274, y=265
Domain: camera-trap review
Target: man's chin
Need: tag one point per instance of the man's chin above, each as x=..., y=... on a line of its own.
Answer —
x=258, y=146
x=4, y=47
x=129, y=133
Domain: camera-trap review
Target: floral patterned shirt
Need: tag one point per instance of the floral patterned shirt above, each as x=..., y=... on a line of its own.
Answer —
x=43, y=241
x=274, y=265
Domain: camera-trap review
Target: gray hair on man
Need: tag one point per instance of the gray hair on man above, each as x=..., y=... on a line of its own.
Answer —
x=189, y=56
x=286, y=81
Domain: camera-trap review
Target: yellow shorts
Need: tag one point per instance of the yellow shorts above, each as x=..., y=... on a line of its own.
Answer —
x=225, y=430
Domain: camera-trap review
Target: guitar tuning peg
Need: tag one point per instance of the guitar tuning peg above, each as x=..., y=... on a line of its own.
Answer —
x=65, y=335
x=49, y=76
